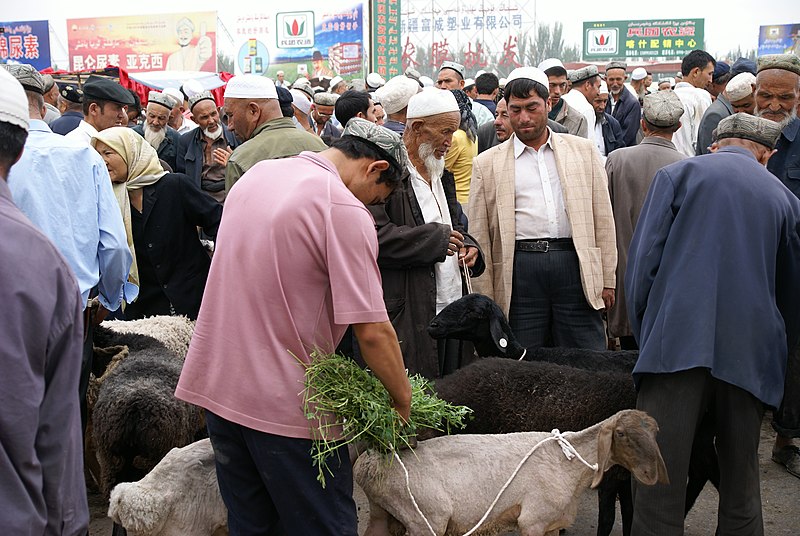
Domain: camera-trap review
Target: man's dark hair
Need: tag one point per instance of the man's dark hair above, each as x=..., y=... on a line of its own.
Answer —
x=350, y=104
x=521, y=88
x=137, y=102
x=590, y=80
x=556, y=71
x=355, y=147
x=12, y=141
x=722, y=79
x=87, y=102
x=486, y=83
x=696, y=58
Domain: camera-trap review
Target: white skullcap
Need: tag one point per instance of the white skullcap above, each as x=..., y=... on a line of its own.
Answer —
x=502, y=82
x=531, y=73
x=374, y=80
x=426, y=81
x=175, y=94
x=301, y=81
x=431, y=101
x=603, y=88
x=192, y=87
x=250, y=86
x=394, y=96
x=300, y=100
x=279, y=73
x=469, y=82
x=740, y=86
x=13, y=101
x=639, y=73
x=480, y=72
x=335, y=81
x=549, y=63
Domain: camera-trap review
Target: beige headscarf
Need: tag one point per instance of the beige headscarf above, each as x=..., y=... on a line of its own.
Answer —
x=144, y=169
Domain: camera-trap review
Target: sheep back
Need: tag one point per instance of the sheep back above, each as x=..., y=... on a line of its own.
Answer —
x=175, y=332
x=600, y=361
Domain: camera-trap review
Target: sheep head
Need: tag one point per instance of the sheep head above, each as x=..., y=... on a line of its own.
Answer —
x=479, y=319
x=629, y=439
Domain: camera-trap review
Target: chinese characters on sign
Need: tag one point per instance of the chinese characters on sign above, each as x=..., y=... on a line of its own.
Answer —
x=641, y=38
x=25, y=42
x=387, y=52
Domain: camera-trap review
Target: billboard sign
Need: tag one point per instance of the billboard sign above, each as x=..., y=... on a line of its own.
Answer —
x=137, y=43
x=779, y=39
x=668, y=38
x=386, y=51
x=25, y=42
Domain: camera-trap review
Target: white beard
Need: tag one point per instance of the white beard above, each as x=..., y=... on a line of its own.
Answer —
x=154, y=137
x=783, y=122
x=213, y=135
x=435, y=166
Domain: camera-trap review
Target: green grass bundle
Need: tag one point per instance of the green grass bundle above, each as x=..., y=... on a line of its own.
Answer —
x=336, y=385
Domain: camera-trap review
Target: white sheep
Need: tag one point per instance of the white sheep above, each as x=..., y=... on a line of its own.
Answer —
x=179, y=497
x=175, y=332
x=454, y=479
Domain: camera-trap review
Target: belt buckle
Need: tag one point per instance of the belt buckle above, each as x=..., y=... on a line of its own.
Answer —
x=542, y=246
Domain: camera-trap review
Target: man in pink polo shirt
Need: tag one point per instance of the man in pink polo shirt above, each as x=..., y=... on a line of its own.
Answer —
x=295, y=264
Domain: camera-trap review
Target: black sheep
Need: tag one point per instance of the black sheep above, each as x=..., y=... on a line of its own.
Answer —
x=479, y=319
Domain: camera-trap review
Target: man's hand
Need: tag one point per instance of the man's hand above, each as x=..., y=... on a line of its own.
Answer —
x=221, y=156
x=456, y=242
x=100, y=314
x=204, y=47
x=608, y=297
x=468, y=255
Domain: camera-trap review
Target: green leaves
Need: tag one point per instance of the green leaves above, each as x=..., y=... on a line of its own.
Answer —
x=339, y=393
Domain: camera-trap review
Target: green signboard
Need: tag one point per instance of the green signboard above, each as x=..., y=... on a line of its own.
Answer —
x=641, y=38
x=386, y=50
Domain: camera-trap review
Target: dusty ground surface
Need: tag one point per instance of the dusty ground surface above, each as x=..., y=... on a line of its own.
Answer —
x=780, y=496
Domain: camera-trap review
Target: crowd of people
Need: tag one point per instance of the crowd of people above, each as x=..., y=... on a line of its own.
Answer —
x=344, y=215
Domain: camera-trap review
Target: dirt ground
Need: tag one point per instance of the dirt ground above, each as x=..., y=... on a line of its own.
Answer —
x=780, y=497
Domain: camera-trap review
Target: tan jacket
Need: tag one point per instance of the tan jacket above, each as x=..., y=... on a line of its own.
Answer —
x=585, y=187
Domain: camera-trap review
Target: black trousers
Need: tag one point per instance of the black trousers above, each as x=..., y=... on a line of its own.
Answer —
x=548, y=303
x=786, y=420
x=678, y=402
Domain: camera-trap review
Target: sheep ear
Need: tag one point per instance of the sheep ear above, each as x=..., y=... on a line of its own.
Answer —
x=499, y=335
x=604, y=439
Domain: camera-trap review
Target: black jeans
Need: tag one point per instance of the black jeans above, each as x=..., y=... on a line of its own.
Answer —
x=268, y=483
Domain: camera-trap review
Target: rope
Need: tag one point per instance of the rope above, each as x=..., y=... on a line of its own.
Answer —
x=524, y=351
x=566, y=447
x=466, y=275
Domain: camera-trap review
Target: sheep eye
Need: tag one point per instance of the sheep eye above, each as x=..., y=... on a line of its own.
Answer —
x=620, y=433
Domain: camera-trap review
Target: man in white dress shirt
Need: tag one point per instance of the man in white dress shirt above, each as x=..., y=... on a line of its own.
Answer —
x=585, y=86
x=697, y=67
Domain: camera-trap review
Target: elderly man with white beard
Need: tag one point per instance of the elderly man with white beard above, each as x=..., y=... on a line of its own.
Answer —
x=161, y=137
x=423, y=247
x=203, y=152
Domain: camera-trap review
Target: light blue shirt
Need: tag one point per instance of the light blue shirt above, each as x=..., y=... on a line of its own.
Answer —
x=64, y=188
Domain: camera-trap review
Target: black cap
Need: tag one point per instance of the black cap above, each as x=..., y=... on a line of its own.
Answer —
x=71, y=92
x=107, y=90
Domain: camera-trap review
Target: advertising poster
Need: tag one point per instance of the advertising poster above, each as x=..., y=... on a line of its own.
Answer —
x=675, y=38
x=779, y=39
x=318, y=39
x=25, y=42
x=138, y=43
x=386, y=53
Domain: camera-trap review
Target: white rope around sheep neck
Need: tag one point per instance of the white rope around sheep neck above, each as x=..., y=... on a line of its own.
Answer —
x=566, y=447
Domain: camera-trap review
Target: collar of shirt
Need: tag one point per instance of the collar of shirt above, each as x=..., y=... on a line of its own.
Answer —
x=519, y=146
x=320, y=161
x=790, y=131
x=734, y=149
x=89, y=129
x=38, y=125
x=273, y=124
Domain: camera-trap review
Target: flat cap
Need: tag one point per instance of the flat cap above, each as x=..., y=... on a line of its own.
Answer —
x=104, y=89
x=457, y=67
x=617, y=65
x=394, y=96
x=749, y=127
x=49, y=82
x=156, y=97
x=639, y=73
x=785, y=62
x=662, y=108
x=13, y=102
x=387, y=141
x=26, y=75
x=743, y=65
x=71, y=92
x=324, y=98
x=584, y=73
x=740, y=86
x=250, y=86
x=720, y=69
x=199, y=97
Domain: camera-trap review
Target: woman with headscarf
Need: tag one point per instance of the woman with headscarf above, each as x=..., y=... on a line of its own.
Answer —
x=463, y=149
x=162, y=212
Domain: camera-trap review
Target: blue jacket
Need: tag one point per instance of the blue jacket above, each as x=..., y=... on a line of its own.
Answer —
x=612, y=134
x=190, y=152
x=785, y=164
x=711, y=280
x=68, y=122
x=629, y=114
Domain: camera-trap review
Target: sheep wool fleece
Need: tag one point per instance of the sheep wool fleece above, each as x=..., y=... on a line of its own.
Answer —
x=296, y=263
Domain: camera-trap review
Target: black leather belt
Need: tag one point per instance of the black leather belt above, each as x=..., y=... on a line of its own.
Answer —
x=543, y=245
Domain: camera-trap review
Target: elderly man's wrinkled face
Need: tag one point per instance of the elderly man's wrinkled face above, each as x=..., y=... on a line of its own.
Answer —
x=321, y=113
x=436, y=131
x=242, y=118
x=599, y=103
x=206, y=116
x=777, y=95
x=502, y=126
x=380, y=114
x=157, y=116
x=615, y=78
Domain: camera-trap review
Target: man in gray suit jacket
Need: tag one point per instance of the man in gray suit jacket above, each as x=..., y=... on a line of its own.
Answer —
x=630, y=171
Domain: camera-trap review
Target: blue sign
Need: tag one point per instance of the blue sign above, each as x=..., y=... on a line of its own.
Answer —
x=25, y=42
x=779, y=39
